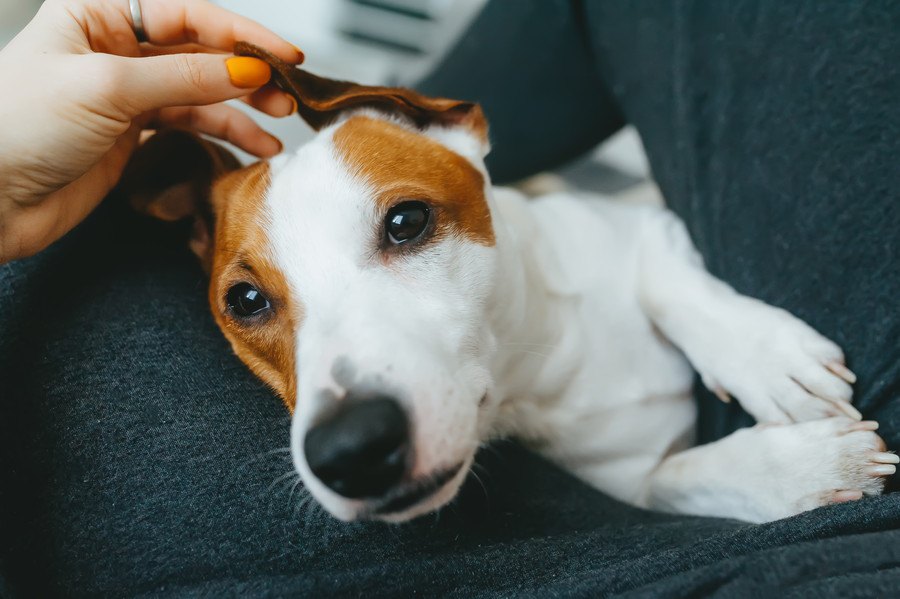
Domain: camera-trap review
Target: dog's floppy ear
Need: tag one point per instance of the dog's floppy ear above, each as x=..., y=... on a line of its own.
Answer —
x=170, y=177
x=320, y=101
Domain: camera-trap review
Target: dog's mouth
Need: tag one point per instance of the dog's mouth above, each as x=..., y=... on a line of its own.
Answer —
x=412, y=493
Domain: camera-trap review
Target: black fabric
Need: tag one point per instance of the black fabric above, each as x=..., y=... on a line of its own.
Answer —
x=139, y=457
x=530, y=67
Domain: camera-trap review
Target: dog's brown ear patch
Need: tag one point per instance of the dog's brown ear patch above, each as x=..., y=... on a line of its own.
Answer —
x=320, y=101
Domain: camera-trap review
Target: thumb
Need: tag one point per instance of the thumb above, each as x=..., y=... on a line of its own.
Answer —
x=189, y=80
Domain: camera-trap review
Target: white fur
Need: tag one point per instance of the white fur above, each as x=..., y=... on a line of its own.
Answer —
x=579, y=324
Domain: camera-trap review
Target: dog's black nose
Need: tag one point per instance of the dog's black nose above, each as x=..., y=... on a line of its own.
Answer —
x=360, y=450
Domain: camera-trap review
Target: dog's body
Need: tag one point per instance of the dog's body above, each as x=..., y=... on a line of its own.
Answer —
x=601, y=378
x=408, y=312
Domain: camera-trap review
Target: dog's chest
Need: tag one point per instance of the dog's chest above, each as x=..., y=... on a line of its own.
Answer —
x=608, y=381
x=590, y=259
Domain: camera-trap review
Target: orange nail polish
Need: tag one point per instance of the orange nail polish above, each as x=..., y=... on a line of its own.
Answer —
x=294, y=106
x=248, y=72
x=300, y=54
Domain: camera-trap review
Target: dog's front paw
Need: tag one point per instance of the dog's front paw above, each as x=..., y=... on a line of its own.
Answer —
x=780, y=368
x=812, y=464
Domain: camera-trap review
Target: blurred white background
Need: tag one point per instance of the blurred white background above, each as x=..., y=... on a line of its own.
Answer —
x=383, y=42
x=13, y=16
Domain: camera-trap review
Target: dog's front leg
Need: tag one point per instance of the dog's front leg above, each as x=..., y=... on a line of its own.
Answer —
x=773, y=471
x=779, y=368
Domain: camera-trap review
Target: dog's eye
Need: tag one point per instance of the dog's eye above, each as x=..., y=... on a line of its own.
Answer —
x=245, y=300
x=406, y=221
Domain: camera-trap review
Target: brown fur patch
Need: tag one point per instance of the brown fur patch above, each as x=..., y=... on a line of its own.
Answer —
x=321, y=100
x=241, y=254
x=402, y=165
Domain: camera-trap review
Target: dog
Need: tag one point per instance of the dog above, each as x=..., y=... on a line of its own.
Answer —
x=408, y=312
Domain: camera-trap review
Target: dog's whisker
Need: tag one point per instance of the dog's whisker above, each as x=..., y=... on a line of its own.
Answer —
x=301, y=503
x=483, y=487
x=260, y=456
x=490, y=447
x=280, y=479
x=306, y=510
x=484, y=476
x=294, y=489
x=299, y=508
x=288, y=485
x=309, y=510
x=484, y=471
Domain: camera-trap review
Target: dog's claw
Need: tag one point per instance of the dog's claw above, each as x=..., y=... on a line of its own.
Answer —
x=845, y=496
x=722, y=394
x=848, y=409
x=882, y=470
x=842, y=371
x=885, y=457
x=865, y=425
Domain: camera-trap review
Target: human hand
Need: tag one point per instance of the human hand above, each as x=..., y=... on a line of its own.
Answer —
x=80, y=89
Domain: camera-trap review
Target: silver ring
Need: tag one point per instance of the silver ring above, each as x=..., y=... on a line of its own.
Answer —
x=137, y=21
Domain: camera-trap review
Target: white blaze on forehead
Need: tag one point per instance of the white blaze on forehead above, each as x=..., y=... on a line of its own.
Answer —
x=324, y=239
x=321, y=219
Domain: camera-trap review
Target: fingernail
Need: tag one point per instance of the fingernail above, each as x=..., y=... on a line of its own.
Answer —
x=882, y=470
x=301, y=56
x=294, y=106
x=247, y=72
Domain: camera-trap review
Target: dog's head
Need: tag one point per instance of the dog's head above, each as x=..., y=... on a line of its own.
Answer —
x=353, y=277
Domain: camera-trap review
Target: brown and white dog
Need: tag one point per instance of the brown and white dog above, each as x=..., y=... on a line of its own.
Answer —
x=408, y=312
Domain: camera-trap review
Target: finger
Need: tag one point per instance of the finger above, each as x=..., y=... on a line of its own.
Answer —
x=272, y=101
x=153, y=50
x=145, y=84
x=225, y=123
x=96, y=184
x=198, y=21
x=43, y=224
